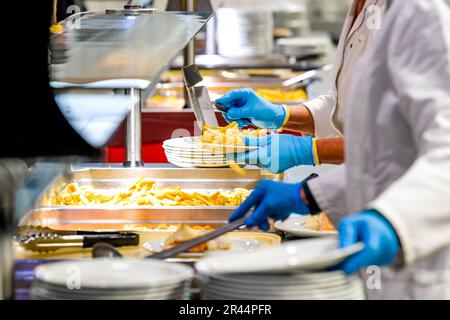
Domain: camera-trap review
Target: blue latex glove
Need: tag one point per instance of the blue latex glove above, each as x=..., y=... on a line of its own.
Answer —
x=246, y=104
x=277, y=152
x=380, y=240
x=272, y=199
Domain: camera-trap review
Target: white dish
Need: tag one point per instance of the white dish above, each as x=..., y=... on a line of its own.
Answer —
x=194, y=161
x=351, y=288
x=237, y=245
x=295, y=226
x=193, y=152
x=195, y=156
x=311, y=254
x=269, y=282
x=42, y=293
x=122, y=291
x=115, y=273
x=346, y=288
x=194, y=143
x=196, y=165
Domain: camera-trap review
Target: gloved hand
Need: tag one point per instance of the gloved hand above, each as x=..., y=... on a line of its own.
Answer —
x=377, y=234
x=246, y=104
x=271, y=199
x=277, y=152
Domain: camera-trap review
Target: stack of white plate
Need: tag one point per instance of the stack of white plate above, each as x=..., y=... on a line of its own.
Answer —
x=189, y=152
x=111, y=279
x=296, y=286
x=294, y=271
x=304, y=46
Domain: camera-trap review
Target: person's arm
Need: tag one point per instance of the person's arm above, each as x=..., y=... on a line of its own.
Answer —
x=329, y=193
x=330, y=150
x=300, y=120
x=320, y=110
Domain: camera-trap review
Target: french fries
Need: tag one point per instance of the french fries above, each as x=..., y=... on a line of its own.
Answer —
x=230, y=135
x=319, y=222
x=276, y=95
x=144, y=192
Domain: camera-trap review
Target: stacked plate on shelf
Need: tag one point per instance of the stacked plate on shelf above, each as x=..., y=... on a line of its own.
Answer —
x=112, y=279
x=295, y=286
x=189, y=152
x=244, y=32
x=292, y=271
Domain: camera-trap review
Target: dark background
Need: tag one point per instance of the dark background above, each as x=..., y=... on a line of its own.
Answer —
x=30, y=121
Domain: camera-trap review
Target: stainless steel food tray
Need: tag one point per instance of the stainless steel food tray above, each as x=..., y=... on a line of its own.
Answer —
x=115, y=217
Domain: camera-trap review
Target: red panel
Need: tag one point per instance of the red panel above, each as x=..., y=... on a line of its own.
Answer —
x=151, y=153
x=156, y=127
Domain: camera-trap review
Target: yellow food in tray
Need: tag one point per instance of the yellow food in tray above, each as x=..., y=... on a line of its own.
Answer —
x=56, y=29
x=276, y=95
x=231, y=135
x=186, y=233
x=146, y=192
x=165, y=227
x=319, y=222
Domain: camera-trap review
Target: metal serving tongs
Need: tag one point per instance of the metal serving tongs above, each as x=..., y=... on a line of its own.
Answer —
x=199, y=98
x=43, y=239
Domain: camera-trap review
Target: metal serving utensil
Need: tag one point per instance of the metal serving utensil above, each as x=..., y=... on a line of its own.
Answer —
x=199, y=97
x=199, y=240
x=105, y=250
x=295, y=81
x=43, y=239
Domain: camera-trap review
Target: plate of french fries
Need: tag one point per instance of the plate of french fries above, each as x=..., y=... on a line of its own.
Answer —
x=210, y=150
x=228, y=139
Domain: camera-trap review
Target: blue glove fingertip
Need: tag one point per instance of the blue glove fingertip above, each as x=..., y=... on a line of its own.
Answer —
x=242, y=123
x=250, y=222
x=264, y=225
x=227, y=119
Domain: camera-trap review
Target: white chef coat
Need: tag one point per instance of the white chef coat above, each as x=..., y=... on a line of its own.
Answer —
x=327, y=110
x=397, y=132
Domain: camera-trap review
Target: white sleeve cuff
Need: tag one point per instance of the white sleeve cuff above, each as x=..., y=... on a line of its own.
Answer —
x=321, y=110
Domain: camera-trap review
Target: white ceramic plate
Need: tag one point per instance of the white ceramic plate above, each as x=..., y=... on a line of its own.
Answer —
x=42, y=293
x=352, y=288
x=158, y=290
x=274, y=280
x=193, y=152
x=194, y=161
x=195, y=156
x=237, y=245
x=295, y=226
x=346, y=288
x=115, y=273
x=311, y=254
x=194, y=143
x=197, y=165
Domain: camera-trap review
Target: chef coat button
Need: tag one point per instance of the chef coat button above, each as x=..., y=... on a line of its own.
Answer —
x=351, y=46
